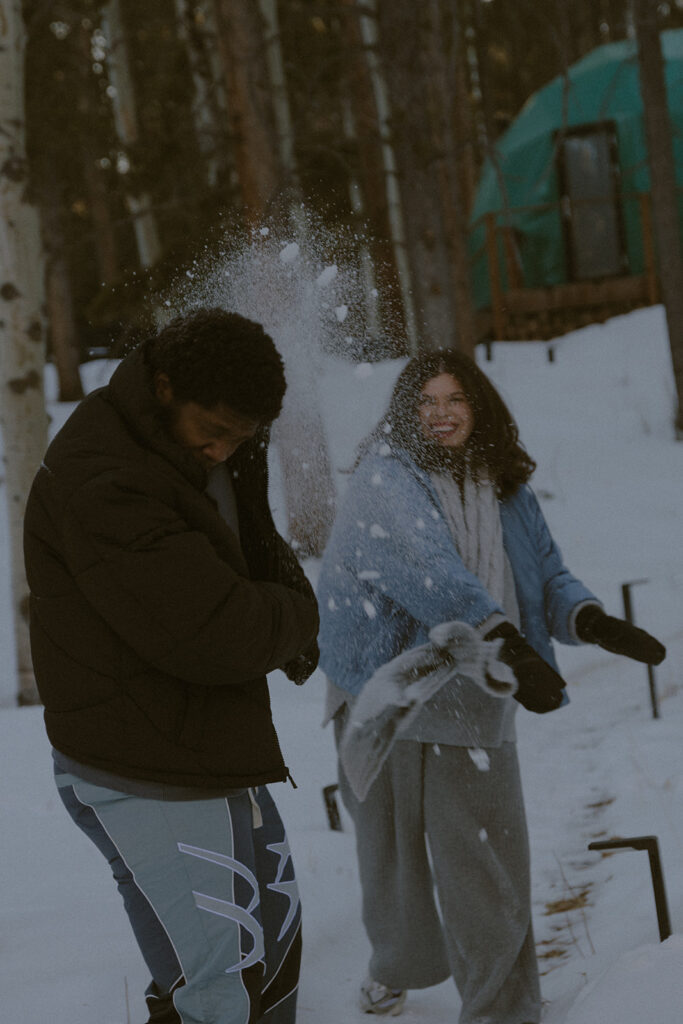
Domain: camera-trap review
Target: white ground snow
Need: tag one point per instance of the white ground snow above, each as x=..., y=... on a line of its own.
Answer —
x=610, y=478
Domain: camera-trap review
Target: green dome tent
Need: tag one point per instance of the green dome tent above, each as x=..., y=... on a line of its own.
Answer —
x=573, y=164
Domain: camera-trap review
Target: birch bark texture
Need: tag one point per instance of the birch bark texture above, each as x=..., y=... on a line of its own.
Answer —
x=22, y=351
x=126, y=120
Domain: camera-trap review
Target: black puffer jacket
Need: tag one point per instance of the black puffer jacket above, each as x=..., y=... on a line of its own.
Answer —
x=152, y=629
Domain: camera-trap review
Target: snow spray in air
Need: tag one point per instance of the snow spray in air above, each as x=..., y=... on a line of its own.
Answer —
x=312, y=293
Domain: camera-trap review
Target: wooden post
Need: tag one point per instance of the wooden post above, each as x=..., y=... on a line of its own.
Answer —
x=511, y=262
x=648, y=248
x=494, y=277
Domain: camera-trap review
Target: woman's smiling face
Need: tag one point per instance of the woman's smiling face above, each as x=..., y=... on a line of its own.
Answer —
x=445, y=412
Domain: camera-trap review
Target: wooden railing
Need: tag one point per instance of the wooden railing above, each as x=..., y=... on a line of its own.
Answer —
x=518, y=311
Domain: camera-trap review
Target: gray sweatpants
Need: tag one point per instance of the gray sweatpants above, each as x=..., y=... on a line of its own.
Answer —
x=439, y=817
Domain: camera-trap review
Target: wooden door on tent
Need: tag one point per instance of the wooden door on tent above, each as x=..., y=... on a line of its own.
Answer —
x=588, y=170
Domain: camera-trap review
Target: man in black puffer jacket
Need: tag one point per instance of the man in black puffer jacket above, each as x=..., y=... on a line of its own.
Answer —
x=161, y=595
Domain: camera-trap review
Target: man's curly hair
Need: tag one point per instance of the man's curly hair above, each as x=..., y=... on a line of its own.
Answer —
x=214, y=357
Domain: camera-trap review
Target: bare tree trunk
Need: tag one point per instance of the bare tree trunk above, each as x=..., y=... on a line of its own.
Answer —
x=391, y=186
x=665, y=214
x=208, y=104
x=358, y=208
x=125, y=117
x=105, y=240
x=369, y=198
x=404, y=30
x=22, y=355
x=443, y=80
x=240, y=35
x=62, y=335
x=104, y=233
x=300, y=432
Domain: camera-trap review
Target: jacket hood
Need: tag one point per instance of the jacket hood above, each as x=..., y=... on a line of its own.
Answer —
x=130, y=392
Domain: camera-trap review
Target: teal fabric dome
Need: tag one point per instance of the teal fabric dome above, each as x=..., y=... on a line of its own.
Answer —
x=602, y=87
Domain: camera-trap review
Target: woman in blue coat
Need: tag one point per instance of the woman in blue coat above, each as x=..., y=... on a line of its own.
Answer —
x=439, y=524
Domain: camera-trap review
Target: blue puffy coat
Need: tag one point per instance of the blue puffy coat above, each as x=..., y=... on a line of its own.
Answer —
x=391, y=571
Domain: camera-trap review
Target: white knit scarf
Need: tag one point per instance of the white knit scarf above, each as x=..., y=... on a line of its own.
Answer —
x=472, y=514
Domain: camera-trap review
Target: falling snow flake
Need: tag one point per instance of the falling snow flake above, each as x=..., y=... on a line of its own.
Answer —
x=369, y=609
x=483, y=835
x=332, y=604
x=341, y=313
x=376, y=479
x=378, y=531
x=480, y=758
x=368, y=574
x=327, y=275
x=290, y=252
x=363, y=370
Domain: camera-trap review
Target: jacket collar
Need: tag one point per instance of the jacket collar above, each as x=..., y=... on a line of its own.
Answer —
x=130, y=392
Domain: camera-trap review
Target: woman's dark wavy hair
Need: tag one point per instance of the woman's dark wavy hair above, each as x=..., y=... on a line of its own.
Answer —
x=493, y=448
x=214, y=357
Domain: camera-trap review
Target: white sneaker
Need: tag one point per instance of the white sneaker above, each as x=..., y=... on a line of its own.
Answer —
x=378, y=998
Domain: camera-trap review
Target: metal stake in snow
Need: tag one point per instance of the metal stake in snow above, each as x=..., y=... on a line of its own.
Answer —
x=650, y=844
x=628, y=615
x=331, y=807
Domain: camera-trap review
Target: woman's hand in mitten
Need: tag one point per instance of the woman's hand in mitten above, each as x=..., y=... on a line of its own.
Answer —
x=540, y=688
x=594, y=626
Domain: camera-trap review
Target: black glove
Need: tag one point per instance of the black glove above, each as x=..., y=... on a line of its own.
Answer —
x=540, y=688
x=617, y=636
x=304, y=665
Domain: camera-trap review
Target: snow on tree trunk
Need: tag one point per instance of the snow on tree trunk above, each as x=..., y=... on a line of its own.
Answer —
x=665, y=215
x=125, y=118
x=22, y=404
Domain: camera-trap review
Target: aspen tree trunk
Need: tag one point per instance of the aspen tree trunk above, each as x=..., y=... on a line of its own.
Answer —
x=392, y=186
x=208, y=103
x=369, y=199
x=299, y=432
x=665, y=213
x=125, y=118
x=22, y=403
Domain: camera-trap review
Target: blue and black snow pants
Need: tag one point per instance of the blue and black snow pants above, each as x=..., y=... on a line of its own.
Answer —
x=209, y=889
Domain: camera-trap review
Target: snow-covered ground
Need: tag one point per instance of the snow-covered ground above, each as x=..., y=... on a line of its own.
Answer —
x=598, y=421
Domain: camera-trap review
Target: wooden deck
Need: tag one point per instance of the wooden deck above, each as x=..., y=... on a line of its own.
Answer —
x=530, y=314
